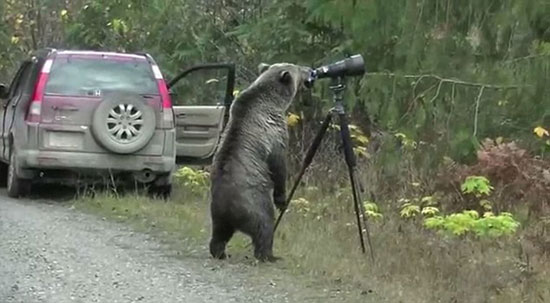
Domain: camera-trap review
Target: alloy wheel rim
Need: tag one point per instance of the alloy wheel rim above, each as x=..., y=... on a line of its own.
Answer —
x=125, y=123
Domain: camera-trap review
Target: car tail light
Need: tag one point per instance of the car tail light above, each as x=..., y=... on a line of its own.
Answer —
x=38, y=94
x=163, y=89
x=167, y=112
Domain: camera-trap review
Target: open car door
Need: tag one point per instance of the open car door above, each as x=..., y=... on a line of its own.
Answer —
x=201, y=97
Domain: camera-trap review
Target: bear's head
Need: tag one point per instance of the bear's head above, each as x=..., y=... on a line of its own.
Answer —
x=284, y=79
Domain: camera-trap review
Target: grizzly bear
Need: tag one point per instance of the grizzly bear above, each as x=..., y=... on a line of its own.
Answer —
x=249, y=167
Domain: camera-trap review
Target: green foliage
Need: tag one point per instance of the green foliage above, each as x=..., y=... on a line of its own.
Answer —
x=371, y=210
x=193, y=180
x=486, y=205
x=409, y=210
x=477, y=185
x=406, y=141
x=429, y=211
x=425, y=206
x=468, y=221
x=494, y=226
x=428, y=200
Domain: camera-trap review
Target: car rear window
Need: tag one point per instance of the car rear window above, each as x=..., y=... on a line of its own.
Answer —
x=74, y=76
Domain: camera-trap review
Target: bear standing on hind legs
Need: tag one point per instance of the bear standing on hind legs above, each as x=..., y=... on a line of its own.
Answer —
x=249, y=168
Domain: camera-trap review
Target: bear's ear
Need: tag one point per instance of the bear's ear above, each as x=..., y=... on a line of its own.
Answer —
x=285, y=77
x=262, y=67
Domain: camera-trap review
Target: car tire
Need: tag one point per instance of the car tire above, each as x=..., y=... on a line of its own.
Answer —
x=123, y=123
x=16, y=186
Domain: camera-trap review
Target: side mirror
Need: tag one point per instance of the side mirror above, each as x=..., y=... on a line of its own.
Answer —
x=4, y=91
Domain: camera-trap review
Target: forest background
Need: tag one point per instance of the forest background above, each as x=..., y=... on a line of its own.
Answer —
x=450, y=123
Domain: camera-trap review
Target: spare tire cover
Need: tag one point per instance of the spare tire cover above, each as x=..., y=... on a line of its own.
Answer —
x=123, y=123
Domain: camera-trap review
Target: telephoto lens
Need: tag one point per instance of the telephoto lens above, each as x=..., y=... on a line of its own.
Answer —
x=352, y=66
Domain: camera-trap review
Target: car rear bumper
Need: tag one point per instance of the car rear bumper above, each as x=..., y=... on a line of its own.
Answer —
x=33, y=159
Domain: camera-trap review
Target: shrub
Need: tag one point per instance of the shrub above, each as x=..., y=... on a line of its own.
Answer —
x=477, y=185
x=518, y=175
x=372, y=210
x=467, y=221
x=195, y=181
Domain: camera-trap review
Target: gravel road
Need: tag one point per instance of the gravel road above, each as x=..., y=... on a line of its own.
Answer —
x=51, y=253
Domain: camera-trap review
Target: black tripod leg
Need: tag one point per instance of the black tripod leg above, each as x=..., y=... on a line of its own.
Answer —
x=351, y=163
x=307, y=161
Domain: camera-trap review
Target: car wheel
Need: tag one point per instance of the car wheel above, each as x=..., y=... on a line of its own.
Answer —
x=16, y=186
x=123, y=123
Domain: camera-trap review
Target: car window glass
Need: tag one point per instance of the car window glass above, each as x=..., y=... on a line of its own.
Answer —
x=201, y=87
x=95, y=77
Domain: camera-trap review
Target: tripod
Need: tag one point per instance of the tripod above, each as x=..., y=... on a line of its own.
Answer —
x=337, y=87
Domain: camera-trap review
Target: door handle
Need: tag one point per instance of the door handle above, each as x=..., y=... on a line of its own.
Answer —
x=181, y=115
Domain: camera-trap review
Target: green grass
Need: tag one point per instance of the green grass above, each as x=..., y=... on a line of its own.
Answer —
x=319, y=240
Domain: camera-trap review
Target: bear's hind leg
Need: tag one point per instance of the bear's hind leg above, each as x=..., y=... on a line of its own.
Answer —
x=263, y=243
x=221, y=234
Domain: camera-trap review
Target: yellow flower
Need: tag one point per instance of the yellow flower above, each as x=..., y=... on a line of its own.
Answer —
x=63, y=13
x=541, y=132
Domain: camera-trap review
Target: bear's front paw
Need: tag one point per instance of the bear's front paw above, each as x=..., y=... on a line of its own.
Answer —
x=280, y=201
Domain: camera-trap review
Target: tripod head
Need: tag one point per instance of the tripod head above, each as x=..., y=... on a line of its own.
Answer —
x=352, y=66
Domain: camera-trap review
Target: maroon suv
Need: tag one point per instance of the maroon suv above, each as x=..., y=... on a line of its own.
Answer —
x=87, y=116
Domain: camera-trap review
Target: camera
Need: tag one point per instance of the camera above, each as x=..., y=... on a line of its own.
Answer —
x=352, y=66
